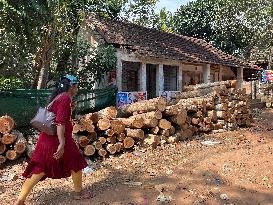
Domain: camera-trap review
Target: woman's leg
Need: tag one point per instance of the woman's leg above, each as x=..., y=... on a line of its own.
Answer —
x=27, y=187
x=77, y=180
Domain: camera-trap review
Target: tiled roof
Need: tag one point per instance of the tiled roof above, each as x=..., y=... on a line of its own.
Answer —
x=155, y=43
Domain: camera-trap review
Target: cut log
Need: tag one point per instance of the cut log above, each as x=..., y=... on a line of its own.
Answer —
x=121, y=137
x=6, y=124
x=148, y=105
x=195, y=121
x=164, y=133
x=102, y=152
x=78, y=128
x=102, y=140
x=180, y=118
x=94, y=117
x=92, y=136
x=184, y=126
x=81, y=140
x=10, y=138
x=150, y=123
x=164, y=124
x=132, y=122
x=12, y=155
x=117, y=126
x=109, y=132
x=119, y=146
x=227, y=84
x=87, y=124
x=3, y=148
x=171, y=110
x=2, y=159
x=111, y=148
x=111, y=140
x=154, y=130
x=212, y=92
x=150, y=115
x=135, y=133
x=104, y=124
x=89, y=150
x=97, y=145
x=109, y=112
x=151, y=139
x=186, y=134
x=128, y=142
x=20, y=144
x=172, y=130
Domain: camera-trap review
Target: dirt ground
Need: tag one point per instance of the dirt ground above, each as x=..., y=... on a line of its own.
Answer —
x=236, y=170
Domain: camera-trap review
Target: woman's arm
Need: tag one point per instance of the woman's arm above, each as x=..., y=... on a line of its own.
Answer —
x=60, y=151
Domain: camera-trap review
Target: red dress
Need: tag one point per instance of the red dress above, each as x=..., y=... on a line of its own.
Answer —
x=42, y=159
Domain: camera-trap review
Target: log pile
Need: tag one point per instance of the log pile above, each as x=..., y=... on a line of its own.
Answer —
x=202, y=108
x=266, y=96
x=12, y=142
x=216, y=106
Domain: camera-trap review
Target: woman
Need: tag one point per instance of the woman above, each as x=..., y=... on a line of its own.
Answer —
x=57, y=156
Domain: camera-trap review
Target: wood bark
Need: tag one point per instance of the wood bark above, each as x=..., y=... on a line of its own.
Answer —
x=132, y=122
x=147, y=105
x=109, y=112
x=135, y=133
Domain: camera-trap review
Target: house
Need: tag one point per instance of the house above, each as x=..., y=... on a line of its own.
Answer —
x=155, y=61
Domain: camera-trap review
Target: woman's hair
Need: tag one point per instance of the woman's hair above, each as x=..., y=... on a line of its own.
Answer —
x=62, y=86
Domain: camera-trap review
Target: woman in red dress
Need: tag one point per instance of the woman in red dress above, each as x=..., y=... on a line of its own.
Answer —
x=57, y=156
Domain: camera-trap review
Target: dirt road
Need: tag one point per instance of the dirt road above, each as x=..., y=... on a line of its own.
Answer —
x=237, y=169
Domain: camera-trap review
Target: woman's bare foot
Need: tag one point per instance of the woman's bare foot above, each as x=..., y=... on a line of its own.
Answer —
x=19, y=202
x=84, y=194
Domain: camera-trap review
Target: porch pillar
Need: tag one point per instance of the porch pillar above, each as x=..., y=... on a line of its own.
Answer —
x=143, y=77
x=179, y=78
x=159, y=79
x=240, y=77
x=206, y=74
x=119, y=74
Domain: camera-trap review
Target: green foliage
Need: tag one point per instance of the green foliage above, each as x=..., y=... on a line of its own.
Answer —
x=233, y=26
x=10, y=83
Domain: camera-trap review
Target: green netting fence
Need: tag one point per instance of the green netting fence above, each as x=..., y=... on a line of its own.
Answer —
x=22, y=104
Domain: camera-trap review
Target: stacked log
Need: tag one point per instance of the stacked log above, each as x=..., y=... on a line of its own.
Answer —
x=12, y=142
x=203, y=108
x=215, y=106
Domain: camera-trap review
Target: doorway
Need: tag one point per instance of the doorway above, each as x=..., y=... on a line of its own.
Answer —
x=151, y=80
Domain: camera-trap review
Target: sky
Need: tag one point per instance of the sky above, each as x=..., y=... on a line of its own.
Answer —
x=171, y=5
